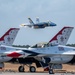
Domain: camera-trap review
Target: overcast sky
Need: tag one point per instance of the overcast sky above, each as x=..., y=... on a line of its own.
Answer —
x=15, y=12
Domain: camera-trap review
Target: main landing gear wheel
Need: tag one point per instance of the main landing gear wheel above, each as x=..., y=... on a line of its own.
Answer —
x=51, y=71
x=32, y=69
x=21, y=69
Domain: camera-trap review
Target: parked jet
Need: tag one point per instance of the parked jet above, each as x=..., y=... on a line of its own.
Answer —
x=38, y=24
x=54, y=56
x=29, y=59
x=12, y=54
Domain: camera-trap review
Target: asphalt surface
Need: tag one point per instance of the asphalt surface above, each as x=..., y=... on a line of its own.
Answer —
x=15, y=73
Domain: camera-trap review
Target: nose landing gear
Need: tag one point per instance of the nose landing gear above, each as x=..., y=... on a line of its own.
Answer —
x=51, y=69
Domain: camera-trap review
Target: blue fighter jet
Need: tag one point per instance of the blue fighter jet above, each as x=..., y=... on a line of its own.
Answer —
x=38, y=25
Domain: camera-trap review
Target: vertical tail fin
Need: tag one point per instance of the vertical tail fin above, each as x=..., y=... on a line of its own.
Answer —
x=9, y=37
x=62, y=36
x=30, y=21
x=37, y=20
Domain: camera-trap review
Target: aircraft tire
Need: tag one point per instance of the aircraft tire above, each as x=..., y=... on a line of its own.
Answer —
x=51, y=71
x=21, y=69
x=32, y=69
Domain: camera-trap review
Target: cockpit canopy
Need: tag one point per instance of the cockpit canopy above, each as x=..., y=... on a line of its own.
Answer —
x=43, y=45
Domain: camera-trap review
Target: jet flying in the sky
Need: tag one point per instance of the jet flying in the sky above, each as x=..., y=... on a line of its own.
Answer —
x=38, y=25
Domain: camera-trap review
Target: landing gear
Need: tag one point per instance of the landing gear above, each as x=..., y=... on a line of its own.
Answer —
x=51, y=71
x=21, y=69
x=32, y=69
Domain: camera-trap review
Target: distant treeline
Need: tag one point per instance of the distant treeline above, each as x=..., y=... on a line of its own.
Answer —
x=27, y=46
x=72, y=45
x=21, y=46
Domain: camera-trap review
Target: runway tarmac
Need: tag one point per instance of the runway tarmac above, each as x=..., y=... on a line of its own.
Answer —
x=9, y=73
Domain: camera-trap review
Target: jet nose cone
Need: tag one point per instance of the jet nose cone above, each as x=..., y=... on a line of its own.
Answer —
x=52, y=24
